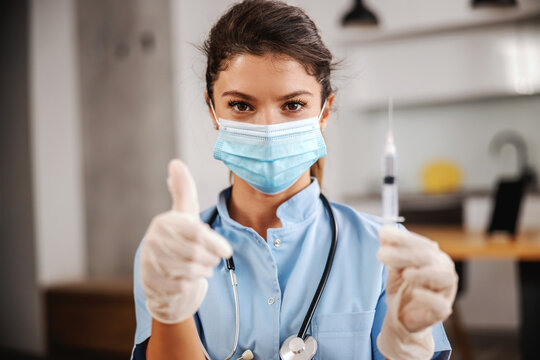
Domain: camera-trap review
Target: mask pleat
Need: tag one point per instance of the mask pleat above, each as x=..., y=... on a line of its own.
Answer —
x=270, y=157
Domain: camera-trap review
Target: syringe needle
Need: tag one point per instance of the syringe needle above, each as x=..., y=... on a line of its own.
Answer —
x=390, y=114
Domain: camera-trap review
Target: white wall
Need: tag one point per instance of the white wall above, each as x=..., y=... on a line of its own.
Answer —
x=56, y=142
x=460, y=132
x=195, y=133
x=489, y=61
x=127, y=120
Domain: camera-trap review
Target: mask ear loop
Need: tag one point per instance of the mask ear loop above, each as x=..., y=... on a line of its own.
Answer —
x=215, y=116
x=322, y=112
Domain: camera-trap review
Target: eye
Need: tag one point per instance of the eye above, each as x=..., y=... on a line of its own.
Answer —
x=240, y=106
x=294, y=106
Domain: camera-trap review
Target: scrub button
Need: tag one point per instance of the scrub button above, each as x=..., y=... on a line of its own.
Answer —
x=277, y=243
x=271, y=301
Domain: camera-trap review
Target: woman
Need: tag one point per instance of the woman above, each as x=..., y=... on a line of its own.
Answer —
x=269, y=94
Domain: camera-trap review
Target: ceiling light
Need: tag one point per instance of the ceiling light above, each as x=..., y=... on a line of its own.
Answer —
x=360, y=15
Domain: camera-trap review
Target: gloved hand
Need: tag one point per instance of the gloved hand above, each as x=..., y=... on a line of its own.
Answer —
x=420, y=290
x=179, y=252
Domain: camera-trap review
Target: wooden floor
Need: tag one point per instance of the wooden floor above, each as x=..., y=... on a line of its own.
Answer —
x=94, y=319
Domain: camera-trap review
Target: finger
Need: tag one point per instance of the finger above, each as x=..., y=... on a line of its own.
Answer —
x=430, y=277
x=179, y=233
x=186, y=251
x=189, y=270
x=182, y=188
x=167, y=266
x=394, y=281
x=175, y=226
x=391, y=235
x=161, y=285
x=164, y=286
x=401, y=258
x=215, y=243
x=424, y=309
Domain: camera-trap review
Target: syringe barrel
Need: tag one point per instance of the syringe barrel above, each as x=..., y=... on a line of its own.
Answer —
x=390, y=201
x=390, y=164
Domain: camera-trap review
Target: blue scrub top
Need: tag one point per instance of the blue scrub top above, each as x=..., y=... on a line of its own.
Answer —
x=277, y=279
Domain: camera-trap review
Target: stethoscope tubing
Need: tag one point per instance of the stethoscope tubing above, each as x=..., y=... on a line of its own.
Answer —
x=326, y=272
x=237, y=319
x=316, y=298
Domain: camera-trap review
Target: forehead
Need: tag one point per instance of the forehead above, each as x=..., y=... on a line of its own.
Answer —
x=269, y=73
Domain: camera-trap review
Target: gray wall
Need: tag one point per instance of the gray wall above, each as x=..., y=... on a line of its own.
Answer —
x=127, y=124
x=20, y=324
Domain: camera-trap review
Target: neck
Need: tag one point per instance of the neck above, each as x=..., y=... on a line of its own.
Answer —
x=251, y=208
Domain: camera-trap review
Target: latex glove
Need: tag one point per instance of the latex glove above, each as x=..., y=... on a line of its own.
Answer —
x=179, y=252
x=420, y=292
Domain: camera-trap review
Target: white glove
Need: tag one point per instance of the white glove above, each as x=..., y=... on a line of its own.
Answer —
x=179, y=252
x=420, y=291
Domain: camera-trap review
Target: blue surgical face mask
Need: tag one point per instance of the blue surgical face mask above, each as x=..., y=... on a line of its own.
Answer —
x=270, y=158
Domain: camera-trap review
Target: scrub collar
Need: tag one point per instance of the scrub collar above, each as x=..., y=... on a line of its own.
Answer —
x=301, y=207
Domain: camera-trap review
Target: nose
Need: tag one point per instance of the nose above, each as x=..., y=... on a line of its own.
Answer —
x=267, y=116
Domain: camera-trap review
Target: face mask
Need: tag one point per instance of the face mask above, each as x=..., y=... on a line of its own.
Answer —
x=270, y=158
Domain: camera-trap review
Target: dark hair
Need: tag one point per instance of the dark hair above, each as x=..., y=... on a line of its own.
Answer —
x=262, y=27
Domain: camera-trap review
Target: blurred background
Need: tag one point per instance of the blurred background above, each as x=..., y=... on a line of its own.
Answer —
x=97, y=96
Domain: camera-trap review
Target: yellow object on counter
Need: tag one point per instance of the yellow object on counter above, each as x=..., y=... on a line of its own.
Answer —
x=441, y=176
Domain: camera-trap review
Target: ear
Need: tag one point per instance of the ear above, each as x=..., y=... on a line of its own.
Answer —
x=207, y=100
x=326, y=114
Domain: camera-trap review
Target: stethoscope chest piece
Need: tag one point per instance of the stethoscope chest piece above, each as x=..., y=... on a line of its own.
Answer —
x=294, y=348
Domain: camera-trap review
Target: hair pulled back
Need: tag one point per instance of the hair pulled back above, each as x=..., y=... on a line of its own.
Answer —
x=260, y=27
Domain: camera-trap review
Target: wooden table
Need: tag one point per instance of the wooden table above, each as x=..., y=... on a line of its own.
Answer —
x=90, y=319
x=524, y=248
x=461, y=244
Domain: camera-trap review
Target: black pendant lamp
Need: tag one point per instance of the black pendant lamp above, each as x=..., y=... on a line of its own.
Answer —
x=494, y=3
x=360, y=15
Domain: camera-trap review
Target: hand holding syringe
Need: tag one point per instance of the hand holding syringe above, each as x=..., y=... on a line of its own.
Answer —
x=421, y=283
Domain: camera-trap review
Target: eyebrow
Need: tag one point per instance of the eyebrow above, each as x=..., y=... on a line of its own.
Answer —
x=295, y=94
x=238, y=94
x=251, y=98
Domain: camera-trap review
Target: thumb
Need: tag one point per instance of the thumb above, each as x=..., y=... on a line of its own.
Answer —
x=182, y=188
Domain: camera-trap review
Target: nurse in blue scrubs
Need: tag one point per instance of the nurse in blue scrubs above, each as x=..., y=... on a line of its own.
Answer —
x=269, y=95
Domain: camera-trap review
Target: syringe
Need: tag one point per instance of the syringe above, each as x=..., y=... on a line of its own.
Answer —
x=390, y=190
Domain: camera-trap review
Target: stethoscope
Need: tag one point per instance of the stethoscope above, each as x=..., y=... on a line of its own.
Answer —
x=299, y=346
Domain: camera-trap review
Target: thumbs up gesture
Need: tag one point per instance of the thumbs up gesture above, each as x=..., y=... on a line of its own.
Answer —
x=179, y=252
